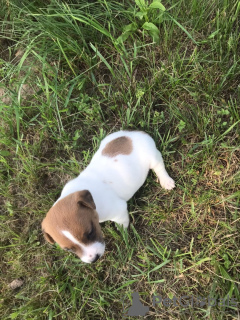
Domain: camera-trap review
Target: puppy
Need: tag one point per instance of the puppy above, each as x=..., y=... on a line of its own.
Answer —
x=100, y=193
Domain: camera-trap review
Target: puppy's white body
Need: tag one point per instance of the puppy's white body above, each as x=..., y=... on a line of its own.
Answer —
x=113, y=178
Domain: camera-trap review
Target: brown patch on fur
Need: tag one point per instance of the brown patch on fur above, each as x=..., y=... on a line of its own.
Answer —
x=122, y=145
x=75, y=213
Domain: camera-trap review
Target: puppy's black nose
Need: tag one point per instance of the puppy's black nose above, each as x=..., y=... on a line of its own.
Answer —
x=96, y=258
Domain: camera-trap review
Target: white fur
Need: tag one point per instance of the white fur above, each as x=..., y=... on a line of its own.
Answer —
x=112, y=183
x=88, y=252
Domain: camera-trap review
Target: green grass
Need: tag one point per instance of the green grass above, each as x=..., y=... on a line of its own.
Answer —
x=65, y=83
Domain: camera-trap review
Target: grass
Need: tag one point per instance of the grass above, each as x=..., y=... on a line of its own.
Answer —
x=65, y=83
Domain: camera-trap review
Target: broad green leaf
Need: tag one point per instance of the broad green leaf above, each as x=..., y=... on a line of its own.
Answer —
x=157, y=5
x=128, y=30
x=140, y=3
x=123, y=37
x=152, y=30
x=132, y=27
x=155, y=35
x=150, y=27
x=140, y=14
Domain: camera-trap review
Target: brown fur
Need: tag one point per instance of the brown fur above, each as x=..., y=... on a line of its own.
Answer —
x=121, y=145
x=75, y=213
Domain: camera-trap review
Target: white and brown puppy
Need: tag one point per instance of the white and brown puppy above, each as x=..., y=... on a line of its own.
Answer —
x=100, y=193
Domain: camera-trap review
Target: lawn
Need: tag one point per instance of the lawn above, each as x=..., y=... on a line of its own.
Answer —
x=72, y=72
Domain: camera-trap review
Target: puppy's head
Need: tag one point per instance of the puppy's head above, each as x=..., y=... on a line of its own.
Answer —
x=73, y=223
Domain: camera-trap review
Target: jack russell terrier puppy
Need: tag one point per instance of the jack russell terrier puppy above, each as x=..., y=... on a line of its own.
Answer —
x=100, y=193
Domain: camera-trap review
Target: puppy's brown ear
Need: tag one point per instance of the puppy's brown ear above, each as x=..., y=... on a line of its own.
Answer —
x=84, y=198
x=46, y=235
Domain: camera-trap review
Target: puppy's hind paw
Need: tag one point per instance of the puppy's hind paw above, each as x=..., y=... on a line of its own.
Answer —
x=125, y=224
x=167, y=182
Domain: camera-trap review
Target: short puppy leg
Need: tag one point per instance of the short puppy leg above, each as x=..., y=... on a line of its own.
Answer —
x=158, y=167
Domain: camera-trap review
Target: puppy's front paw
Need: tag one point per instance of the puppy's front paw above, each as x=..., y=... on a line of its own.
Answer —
x=167, y=182
x=123, y=223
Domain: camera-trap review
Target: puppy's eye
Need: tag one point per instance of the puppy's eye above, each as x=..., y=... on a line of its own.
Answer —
x=90, y=235
x=91, y=232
